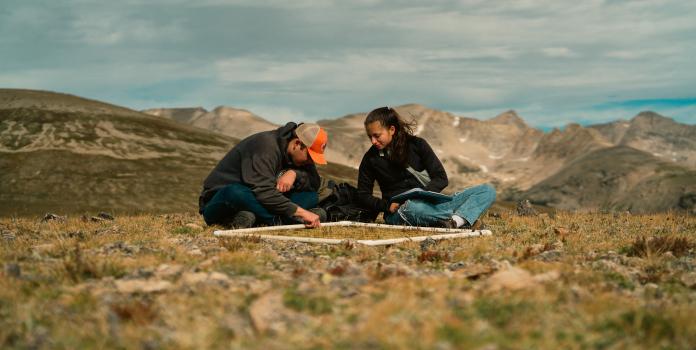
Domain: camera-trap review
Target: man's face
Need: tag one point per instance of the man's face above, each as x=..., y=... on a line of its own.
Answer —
x=298, y=153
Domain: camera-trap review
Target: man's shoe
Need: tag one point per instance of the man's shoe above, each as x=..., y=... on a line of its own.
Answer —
x=321, y=213
x=243, y=219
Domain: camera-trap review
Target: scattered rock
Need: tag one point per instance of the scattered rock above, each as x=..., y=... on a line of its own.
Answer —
x=558, y=245
x=194, y=226
x=106, y=216
x=208, y=262
x=195, y=252
x=326, y=278
x=579, y=292
x=561, y=231
x=652, y=290
x=513, y=278
x=534, y=249
x=193, y=278
x=550, y=255
x=547, y=276
x=689, y=279
x=42, y=248
x=142, y=286
x=8, y=236
x=218, y=276
x=258, y=287
x=427, y=243
x=456, y=266
x=474, y=271
x=53, y=217
x=382, y=271
x=525, y=208
x=168, y=271
x=269, y=315
x=120, y=247
x=13, y=270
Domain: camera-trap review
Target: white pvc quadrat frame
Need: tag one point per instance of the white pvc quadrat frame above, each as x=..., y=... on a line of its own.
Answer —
x=448, y=233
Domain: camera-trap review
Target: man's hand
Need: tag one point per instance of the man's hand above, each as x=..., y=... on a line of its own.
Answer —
x=310, y=219
x=393, y=207
x=286, y=181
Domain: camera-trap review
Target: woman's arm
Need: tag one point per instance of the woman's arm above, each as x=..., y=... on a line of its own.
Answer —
x=366, y=182
x=438, y=176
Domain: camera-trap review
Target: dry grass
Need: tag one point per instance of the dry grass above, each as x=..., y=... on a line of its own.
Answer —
x=559, y=281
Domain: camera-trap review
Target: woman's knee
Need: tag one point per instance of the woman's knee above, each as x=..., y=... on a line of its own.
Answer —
x=489, y=190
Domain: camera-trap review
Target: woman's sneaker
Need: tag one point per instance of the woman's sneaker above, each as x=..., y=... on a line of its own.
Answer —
x=450, y=223
x=243, y=219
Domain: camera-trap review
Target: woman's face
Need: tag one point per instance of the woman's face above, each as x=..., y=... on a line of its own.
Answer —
x=380, y=136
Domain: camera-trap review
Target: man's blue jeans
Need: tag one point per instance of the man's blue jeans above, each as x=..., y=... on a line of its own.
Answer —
x=468, y=204
x=236, y=197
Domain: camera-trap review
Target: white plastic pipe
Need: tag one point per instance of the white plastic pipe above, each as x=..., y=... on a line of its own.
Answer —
x=451, y=233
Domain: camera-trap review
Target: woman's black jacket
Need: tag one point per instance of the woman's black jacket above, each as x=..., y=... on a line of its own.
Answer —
x=393, y=178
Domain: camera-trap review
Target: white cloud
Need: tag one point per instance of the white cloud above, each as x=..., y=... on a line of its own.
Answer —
x=349, y=69
x=108, y=26
x=316, y=59
x=558, y=52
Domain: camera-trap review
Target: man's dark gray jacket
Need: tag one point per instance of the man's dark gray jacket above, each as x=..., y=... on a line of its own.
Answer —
x=256, y=162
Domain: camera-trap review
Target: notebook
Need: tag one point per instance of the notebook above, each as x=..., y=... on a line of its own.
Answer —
x=417, y=193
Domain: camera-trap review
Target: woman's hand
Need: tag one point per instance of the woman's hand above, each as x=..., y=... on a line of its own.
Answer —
x=286, y=181
x=393, y=207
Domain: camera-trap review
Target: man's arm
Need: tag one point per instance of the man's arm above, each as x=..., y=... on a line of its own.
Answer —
x=307, y=178
x=259, y=173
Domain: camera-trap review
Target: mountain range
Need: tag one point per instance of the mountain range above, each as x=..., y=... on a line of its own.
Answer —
x=613, y=160
x=65, y=153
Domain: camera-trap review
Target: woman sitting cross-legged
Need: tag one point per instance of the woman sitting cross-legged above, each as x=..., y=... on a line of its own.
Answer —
x=399, y=162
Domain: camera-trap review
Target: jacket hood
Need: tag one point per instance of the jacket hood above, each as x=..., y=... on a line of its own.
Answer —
x=284, y=135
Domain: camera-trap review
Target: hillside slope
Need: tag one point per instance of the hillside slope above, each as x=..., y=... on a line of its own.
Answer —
x=619, y=178
x=66, y=154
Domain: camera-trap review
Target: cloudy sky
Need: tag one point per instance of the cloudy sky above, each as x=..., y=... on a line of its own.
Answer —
x=552, y=61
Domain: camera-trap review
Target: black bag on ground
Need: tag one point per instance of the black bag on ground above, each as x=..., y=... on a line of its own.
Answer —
x=342, y=204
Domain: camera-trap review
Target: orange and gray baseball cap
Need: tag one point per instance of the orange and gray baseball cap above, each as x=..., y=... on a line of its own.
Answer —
x=315, y=138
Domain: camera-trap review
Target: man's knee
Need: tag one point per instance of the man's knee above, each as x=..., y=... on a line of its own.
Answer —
x=236, y=190
x=306, y=200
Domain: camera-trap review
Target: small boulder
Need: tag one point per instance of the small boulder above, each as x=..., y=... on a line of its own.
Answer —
x=269, y=315
x=53, y=217
x=427, y=243
x=105, y=216
x=13, y=270
x=195, y=227
x=513, y=278
x=525, y=208
x=689, y=279
x=142, y=286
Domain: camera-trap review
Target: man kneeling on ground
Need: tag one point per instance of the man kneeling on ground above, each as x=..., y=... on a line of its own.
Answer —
x=268, y=178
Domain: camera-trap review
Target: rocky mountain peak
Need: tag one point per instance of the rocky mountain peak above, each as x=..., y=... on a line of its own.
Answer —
x=181, y=114
x=650, y=117
x=509, y=117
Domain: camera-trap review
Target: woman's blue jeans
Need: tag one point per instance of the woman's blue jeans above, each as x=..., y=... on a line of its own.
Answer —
x=468, y=204
x=236, y=197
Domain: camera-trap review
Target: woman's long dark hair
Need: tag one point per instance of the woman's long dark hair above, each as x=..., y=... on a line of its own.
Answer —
x=398, y=148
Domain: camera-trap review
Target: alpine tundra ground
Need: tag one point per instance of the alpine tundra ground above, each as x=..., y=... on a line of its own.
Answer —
x=553, y=281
